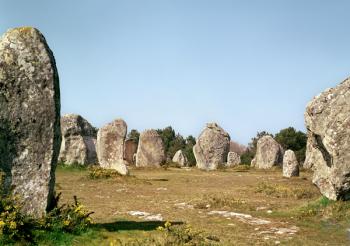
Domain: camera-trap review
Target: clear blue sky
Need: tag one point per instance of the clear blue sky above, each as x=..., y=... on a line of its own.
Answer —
x=248, y=65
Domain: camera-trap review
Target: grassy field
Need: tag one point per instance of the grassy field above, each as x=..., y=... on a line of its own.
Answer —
x=225, y=207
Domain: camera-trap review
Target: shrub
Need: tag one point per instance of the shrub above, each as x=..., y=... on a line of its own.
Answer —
x=15, y=226
x=186, y=235
x=101, y=173
x=72, y=218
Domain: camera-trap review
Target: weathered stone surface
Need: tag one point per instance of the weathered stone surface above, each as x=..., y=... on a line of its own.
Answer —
x=269, y=153
x=110, y=146
x=151, y=151
x=290, y=164
x=180, y=158
x=233, y=159
x=312, y=155
x=212, y=147
x=30, y=135
x=328, y=123
x=130, y=150
x=78, y=141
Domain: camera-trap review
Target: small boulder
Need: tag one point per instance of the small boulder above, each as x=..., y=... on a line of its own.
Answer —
x=180, y=158
x=151, y=150
x=30, y=135
x=110, y=146
x=328, y=123
x=233, y=159
x=269, y=153
x=78, y=141
x=290, y=164
x=212, y=147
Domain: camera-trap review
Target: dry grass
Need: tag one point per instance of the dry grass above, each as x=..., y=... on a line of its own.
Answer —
x=157, y=191
x=285, y=191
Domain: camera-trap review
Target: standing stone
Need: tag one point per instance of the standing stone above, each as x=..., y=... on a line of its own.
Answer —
x=130, y=150
x=30, y=135
x=151, y=151
x=290, y=164
x=311, y=155
x=327, y=119
x=78, y=141
x=269, y=153
x=212, y=147
x=180, y=158
x=110, y=146
x=233, y=159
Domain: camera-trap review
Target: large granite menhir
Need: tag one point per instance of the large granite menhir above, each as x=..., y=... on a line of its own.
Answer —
x=269, y=153
x=30, y=135
x=78, y=141
x=212, y=147
x=151, y=151
x=327, y=119
x=110, y=146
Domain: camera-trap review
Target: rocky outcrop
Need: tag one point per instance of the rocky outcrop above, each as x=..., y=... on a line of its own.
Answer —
x=290, y=164
x=110, y=146
x=151, y=151
x=78, y=141
x=212, y=147
x=233, y=159
x=269, y=153
x=30, y=135
x=180, y=158
x=130, y=149
x=328, y=124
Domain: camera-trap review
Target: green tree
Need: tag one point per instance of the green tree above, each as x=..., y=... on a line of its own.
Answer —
x=134, y=135
x=188, y=151
x=168, y=136
x=174, y=142
x=289, y=138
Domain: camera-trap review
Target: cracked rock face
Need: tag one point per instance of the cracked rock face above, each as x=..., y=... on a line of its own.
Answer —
x=110, y=146
x=233, y=159
x=180, y=158
x=151, y=150
x=290, y=164
x=78, y=141
x=30, y=135
x=212, y=147
x=269, y=153
x=327, y=119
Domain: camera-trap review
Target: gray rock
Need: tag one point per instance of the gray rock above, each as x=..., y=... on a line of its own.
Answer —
x=212, y=147
x=30, y=135
x=110, y=146
x=290, y=164
x=180, y=158
x=78, y=141
x=311, y=153
x=233, y=159
x=130, y=149
x=151, y=151
x=328, y=123
x=269, y=153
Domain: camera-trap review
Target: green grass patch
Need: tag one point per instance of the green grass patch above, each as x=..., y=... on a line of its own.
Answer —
x=285, y=191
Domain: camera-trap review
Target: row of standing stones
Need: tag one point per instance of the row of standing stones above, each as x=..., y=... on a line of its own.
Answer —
x=31, y=133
